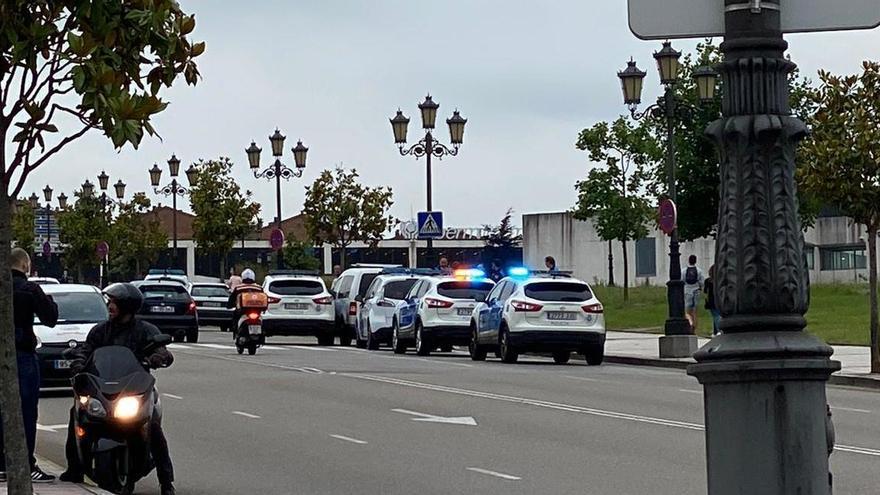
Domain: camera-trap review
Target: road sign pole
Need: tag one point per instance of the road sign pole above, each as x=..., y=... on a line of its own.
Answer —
x=768, y=428
x=429, y=145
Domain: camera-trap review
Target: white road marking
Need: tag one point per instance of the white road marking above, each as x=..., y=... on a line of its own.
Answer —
x=496, y=474
x=52, y=428
x=214, y=346
x=349, y=439
x=246, y=415
x=851, y=409
x=178, y=346
x=172, y=396
x=689, y=391
x=355, y=349
x=274, y=347
x=325, y=349
x=858, y=450
x=582, y=378
x=430, y=418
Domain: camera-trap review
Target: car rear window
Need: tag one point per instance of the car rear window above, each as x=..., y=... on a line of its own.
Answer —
x=398, y=289
x=465, y=290
x=165, y=292
x=296, y=287
x=559, y=291
x=210, y=291
x=80, y=307
x=366, y=280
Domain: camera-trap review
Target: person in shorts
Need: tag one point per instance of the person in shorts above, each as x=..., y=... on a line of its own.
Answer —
x=693, y=286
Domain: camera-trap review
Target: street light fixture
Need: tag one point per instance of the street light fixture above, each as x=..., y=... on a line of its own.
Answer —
x=47, y=194
x=174, y=189
x=120, y=189
x=88, y=189
x=34, y=200
x=667, y=63
x=62, y=201
x=103, y=180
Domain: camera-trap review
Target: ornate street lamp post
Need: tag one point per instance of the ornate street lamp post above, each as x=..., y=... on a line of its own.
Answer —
x=679, y=339
x=277, y=170
x=429, y=146
x=174, y=189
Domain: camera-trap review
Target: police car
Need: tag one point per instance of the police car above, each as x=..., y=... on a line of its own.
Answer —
x=437, y=312
x=299, y=304
x=539, y=312
x=379, y=304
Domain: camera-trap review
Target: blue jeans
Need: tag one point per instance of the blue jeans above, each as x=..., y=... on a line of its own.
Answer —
x=716, y=321
x=29, y=388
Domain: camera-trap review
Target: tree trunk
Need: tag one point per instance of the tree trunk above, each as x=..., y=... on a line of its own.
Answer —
x=610, y=264
x=872, y=282
x=625, y=272
x=17, y=463
x=342, y=256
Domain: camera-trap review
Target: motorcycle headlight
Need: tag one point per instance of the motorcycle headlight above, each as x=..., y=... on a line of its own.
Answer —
x=127, y=408
x=94, y=408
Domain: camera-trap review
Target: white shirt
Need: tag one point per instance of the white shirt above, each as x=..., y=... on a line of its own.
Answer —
x=700, y=279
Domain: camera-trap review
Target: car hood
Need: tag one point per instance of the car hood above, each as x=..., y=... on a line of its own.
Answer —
x=63, y=332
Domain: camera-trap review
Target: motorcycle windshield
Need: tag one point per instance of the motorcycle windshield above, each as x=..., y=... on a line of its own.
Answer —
x=114, y=362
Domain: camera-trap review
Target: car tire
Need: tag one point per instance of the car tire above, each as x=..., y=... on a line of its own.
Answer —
x=595, y=355
x=325, y=340
x=192, y=335
x=240, y=349
x=397, y=345
x=372, y=342
x=508, y=353
x=423, y=347
x=477, y=352
x=345, y=341
x=178, y=337
x=561, y=357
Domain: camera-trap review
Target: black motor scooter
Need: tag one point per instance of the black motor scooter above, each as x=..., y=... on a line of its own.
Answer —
x=250, y=334
x=115, y=400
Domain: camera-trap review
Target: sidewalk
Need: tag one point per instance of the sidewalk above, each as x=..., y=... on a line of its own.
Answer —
x=58, y=488
x=644, y=349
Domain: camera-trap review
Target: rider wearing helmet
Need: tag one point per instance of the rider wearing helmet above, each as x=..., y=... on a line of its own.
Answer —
x=249, y=284
x=123, y=329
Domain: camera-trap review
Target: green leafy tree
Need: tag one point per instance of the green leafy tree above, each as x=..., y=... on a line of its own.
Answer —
x=23, y=226
x=224, y=214
x=135, y=238
x=81, y=228
x=340, y=210
x=843, y=161
x=299, y=255
x=616, y=195
x=501, y=240
x=68, y=67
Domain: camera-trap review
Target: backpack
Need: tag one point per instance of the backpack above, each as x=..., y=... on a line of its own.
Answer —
x=691, y=275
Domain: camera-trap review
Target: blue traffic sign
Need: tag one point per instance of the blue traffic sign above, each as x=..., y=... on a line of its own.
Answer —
x=430, y=224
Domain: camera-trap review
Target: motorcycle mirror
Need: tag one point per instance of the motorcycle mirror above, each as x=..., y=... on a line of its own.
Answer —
x=162, y=339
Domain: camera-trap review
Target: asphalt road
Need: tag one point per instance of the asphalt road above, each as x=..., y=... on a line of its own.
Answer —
x=302, y=419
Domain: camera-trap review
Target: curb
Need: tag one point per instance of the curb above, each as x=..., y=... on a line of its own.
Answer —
x=55, y=469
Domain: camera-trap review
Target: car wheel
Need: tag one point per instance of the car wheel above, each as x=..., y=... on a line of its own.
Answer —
x=595, y=355
x=178, y=337
x=423, y=347
x=396, y=344
x=325, y=340
x=508, y=353
x=345, y=341
x=477, y=352
x=192, y=335
x=561, y=357
x=240, y=349
x=372, y=341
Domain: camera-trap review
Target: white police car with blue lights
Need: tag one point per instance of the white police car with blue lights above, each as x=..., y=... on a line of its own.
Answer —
x=437, y=312
x=539, y=312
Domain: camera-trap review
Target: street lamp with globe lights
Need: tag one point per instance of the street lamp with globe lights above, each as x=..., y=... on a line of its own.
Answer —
x=173, y=189
x=34, y=201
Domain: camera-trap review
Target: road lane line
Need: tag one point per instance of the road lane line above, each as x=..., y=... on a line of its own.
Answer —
x=172, y=396
x=582, y=378
x=851, y=409
x=508, y=477
x=274, y=347
x=858, y=450
x=689, y=391
x=178, y=346
x=307, y=348
x=246, y=415
x=214, y=346
x=349, y=439
x=51, y=428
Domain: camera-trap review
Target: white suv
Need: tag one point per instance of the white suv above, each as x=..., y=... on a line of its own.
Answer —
x=379, y=305
x=345, y=289
x=539, y=312
x=437, y=312
x=299, y=304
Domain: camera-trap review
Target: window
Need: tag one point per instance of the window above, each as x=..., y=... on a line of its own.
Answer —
x=80, y=307
x=165, y=292
x=426, y=286
x=370, y=292
x=344, y=286
x=465, y=290
x=508, y=290
x=414, y=292
x=559, y=291
x=296, y=287
x=646, y=257
x=210, y=291
x=846, y=258
x=366, y=281
x=398, y=288
x=496, y=292
x=810, y=254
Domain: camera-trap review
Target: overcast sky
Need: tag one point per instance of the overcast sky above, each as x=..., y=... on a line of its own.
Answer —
x=527, y=75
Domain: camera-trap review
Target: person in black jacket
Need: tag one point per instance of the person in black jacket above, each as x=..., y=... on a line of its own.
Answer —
x=124, y=301
x=28, y=301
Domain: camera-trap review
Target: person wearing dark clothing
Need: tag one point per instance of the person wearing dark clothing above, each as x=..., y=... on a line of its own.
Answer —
x=28, y=302
x=123, y=329
x=550, y=263
x=248, y=285
x=709, y=289
x=495, y=274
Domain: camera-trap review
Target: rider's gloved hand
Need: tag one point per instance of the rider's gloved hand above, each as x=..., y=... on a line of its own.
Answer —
x=156, y=361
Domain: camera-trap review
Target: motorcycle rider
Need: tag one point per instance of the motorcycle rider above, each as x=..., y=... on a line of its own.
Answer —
x=248, y=279
x=123, y=302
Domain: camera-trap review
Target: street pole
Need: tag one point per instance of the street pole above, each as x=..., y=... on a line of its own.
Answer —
x=278, y=207
x=764, y=378
x=174, y=219
x=429, y=145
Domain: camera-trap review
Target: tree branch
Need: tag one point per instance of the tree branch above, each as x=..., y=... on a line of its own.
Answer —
x=28, y=168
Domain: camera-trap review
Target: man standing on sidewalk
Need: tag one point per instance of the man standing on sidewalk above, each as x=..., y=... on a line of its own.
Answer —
x=693, y=286
x=28, y=301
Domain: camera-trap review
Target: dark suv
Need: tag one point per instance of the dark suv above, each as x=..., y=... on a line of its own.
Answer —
x=170, y=307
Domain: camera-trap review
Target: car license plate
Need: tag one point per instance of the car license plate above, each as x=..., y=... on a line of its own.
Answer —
x=162, y=309
x=62, y=364
x=561, y=316
x=296, y=306
x=210, y=304
x=464, y=311
x=255, y=329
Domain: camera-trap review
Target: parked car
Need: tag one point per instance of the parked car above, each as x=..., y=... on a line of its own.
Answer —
x=346, y=289
x=211, y=299
x=539, y=312
x=299, y=304
x=379, y=305
x=167, y=274
x=80, y=307
x=169, y=306
x=436, y=313
x=44, y=280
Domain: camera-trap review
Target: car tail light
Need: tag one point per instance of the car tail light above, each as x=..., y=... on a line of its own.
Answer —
x=437, y=303
x=525, y=307
x=323, y=300
x=352, y=309
x=191, y=309
x=253, y=316
x=594, y=308
x=274, y=300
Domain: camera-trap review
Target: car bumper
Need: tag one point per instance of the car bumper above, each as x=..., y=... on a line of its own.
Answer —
x=49, y=375
x=298, y=327
x=555, y=340
x=214, y=316
x=448, y=334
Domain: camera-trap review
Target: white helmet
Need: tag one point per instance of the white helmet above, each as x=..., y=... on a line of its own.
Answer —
x=248, y=274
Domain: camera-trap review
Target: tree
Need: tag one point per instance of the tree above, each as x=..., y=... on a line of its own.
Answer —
x=299, y=255
x=23, y=226
x=842, y=163
x=135, y=239
x=616, y=195
x=81, y=228
x=500, y=240
x=68, y=67
x=339, y=210
x=224, y=214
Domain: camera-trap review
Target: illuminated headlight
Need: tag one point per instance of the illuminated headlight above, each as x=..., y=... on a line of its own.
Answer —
x=127, y=408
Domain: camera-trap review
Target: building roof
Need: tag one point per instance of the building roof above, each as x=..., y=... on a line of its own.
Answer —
x=293, y=226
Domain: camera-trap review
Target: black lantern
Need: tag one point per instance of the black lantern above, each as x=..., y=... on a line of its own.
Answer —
x=88, y=189
x=667, y=63
x=103, y=180
x=277, y=141
x=429, y=112
x=34, y=200
x=62, y=201
x=456, y=128
x=253, y=154
x=155, y=175
x=706, y=78
x=173, y=166
x=399, y=124
x=120, y=189
x=299, y=155
x=47, y=194
x=192, y=174
x=631, y=80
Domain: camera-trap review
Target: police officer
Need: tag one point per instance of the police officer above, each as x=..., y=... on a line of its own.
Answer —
x=123, y=303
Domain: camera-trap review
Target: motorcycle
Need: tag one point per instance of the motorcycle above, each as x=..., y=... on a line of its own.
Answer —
x=115, y=401
x=250, y=332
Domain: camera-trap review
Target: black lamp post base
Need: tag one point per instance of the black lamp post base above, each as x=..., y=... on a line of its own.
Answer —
x=677, y=346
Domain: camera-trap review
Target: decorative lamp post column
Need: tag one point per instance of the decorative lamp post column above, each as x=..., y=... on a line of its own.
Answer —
x=47, y=195
x=173, y=189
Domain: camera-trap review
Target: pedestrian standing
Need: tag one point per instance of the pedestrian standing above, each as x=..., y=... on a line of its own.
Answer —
x=234, y=280
x=709, y=289
x=337, y=271
x=550, y=263
x=693, y=286
x=28, y=302
x=495, y=274
x=444, y=266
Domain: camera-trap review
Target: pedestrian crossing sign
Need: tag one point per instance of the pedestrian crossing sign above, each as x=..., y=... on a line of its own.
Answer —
x=430, y=224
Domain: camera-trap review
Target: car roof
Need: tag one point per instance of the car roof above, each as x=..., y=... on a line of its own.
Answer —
x=158, y=283
x=276, y=278
x=208, y=284
x=393, y=277
x=68, y=288
x=533, y=279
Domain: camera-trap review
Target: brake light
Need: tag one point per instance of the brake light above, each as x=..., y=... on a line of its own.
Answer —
x=274, y=300
x=253, y=316
x=323, y=300
x=352, y=309
x=594, y=308
x=191, y=309
x=525, y=307
x=437, y=303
